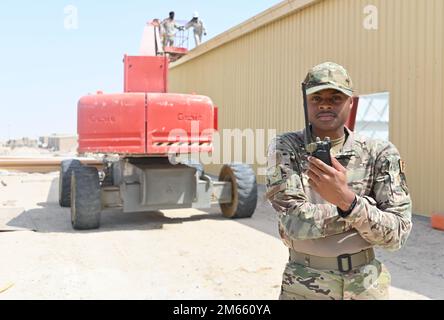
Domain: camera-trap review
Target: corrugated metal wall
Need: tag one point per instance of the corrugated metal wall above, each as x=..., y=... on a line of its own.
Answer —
x=255, y=79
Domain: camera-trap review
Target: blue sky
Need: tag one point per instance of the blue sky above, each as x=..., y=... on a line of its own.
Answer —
x=45, y=68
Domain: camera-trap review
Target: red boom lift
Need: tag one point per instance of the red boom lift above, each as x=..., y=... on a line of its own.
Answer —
x=136, y=131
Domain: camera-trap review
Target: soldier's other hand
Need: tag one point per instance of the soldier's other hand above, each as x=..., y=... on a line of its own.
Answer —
x=331, y=183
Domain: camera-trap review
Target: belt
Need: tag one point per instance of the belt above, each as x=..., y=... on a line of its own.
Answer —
x=344, y=263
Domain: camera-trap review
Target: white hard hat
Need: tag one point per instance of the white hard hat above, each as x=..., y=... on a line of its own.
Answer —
x=196, y=14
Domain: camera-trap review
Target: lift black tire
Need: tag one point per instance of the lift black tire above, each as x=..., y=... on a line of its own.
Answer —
x=66, y=168
x=244, y=189
x=85, y=199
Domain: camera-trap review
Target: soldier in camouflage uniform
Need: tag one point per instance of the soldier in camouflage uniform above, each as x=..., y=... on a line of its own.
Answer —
x=331, y=218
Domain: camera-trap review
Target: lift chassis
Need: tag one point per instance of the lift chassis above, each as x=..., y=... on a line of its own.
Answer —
x=153, y=184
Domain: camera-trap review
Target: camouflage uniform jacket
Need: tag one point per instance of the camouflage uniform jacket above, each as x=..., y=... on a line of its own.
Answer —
x=169, y=27
x=375, y=173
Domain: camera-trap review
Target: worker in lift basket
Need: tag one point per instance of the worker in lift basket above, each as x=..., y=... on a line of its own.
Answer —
x=198, y=28
x=169, y=27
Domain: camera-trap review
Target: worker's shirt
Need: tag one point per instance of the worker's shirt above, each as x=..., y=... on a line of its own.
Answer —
x=309, y=224
x=198, y=26
x=169, y=27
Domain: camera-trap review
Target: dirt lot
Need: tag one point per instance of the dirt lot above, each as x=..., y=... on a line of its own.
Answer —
x=185, y=254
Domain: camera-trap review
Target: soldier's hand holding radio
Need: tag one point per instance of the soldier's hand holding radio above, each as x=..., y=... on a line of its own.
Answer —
x=331, y=183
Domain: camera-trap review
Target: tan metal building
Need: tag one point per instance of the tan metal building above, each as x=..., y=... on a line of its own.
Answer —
x=253, y=72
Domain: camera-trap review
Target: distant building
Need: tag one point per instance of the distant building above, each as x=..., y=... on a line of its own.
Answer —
x=23, y=142
x=43, y=142
x=59, y=142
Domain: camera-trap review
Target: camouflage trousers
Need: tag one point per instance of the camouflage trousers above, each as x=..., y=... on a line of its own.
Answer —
x=168, y=41
x=370, y=282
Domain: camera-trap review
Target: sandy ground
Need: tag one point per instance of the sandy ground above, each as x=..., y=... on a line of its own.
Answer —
x=186, y=254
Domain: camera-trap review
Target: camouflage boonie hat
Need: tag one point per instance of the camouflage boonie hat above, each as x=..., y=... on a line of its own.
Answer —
x=329, y=75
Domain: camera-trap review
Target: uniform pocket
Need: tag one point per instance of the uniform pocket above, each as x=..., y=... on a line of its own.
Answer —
x=370, y=282
x=358, y=176
x=310, y=284
x=397, y=179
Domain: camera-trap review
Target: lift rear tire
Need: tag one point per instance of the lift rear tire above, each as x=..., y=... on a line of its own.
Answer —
x=244, y=189
x=85, y=198
x=66, y=168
